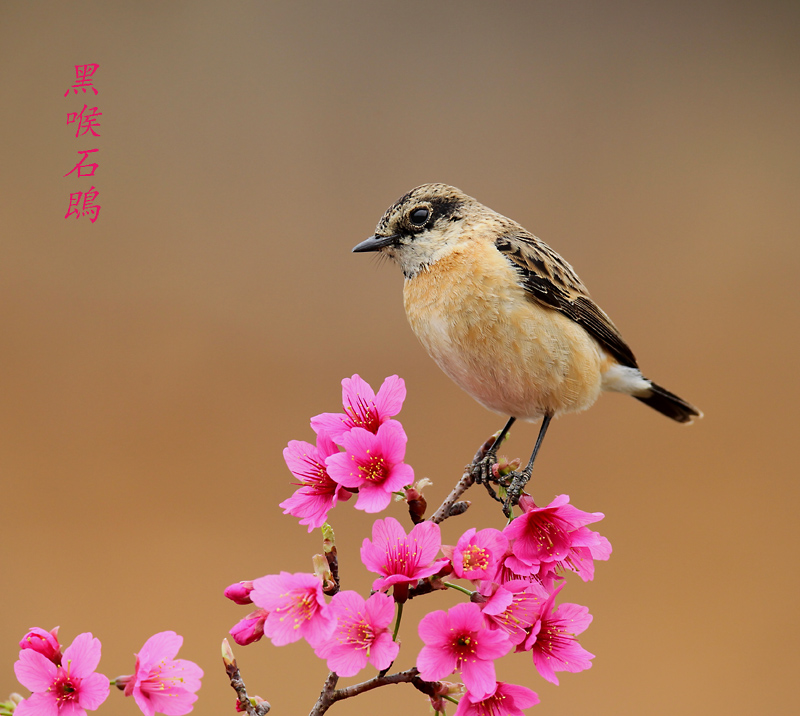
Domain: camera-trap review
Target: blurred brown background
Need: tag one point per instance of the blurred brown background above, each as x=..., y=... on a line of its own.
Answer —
x=155, y=364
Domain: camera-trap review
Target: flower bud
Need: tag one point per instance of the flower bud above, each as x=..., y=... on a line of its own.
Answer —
x=121, y=681
x=459, y=508
x=227, y=654
x=328, y=539
x=416, y=502
x=323, y=571
x=45, y=642
x=7, y=707
x=444, y=688
x=504, y=466
x=260, y=705
x=414, y=492
x=251, y=628
x=330, y=578
x=240, y=592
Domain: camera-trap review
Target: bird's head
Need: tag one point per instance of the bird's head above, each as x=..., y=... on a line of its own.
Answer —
x=422, y=226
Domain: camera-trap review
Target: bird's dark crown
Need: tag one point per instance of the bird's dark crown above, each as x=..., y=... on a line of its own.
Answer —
x=443, y=201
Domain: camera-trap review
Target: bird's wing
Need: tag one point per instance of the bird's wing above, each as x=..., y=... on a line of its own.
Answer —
x=551, y=282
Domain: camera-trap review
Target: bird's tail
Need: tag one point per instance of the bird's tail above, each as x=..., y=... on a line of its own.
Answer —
x=668, y=404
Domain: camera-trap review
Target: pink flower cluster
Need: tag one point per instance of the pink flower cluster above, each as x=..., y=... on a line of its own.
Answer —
x=59, y=683
x=515, y=574
x=503, y=615
x=68, y=684
x=549, y=540
x=348, y=632
x=370, y=461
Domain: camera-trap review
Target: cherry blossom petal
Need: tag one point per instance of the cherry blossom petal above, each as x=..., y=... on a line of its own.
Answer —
x=94, y=691
x=34, y=670
x=82, y=656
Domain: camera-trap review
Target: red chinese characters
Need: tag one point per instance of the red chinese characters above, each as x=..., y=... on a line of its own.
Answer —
x=83, y=203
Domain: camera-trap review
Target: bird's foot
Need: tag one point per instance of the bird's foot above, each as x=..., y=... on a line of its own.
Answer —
x=483, y=464
x=496, y=471
x=482, y=471
x=483, y=468
x=517, y=483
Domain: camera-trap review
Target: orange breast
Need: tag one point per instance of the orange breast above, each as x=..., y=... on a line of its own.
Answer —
x=511, y=354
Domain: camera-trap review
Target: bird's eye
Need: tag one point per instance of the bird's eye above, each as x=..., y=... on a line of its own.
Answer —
x=418, y=217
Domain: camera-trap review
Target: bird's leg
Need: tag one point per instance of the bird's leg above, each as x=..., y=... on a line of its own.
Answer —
x=520, y=479
x=482, y=470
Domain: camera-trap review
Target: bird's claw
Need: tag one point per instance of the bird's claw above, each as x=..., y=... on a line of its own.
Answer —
x=517, y=483
x=483, y=474
x=482, y=471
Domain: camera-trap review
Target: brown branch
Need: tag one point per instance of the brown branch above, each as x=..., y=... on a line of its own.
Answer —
x=461, y=487
x=252, y=707
x=330, y=695
x=467, y=480
x=326, y=696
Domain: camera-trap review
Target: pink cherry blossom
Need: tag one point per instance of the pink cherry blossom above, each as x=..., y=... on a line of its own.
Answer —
x=318, y=493
x=362, y=408
x=373, y=464
x=399, y=557
x=161, y=683
x=545, y=534
x=251, y=628
x=515, y=607
x=361, y=634
x=70, y=689
x=477, y=554
x=506, y=700
x=513, y=569
x=586, y=546
x=296, y=606
x=552, y=639
x=458, y=640
x=45, y=642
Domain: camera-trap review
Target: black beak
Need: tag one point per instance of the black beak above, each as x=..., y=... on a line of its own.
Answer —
x=374, y=243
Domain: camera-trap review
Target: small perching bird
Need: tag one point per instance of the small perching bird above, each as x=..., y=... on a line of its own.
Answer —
x=506, y=317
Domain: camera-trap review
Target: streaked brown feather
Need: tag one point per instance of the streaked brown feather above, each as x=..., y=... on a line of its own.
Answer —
x=552, y=282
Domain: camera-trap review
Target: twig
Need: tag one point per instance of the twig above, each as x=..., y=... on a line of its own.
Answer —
x=254, y=707
x=330, y=695
x=326, y=696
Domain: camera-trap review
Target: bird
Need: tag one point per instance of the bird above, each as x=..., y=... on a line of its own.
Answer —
x=506, y=318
